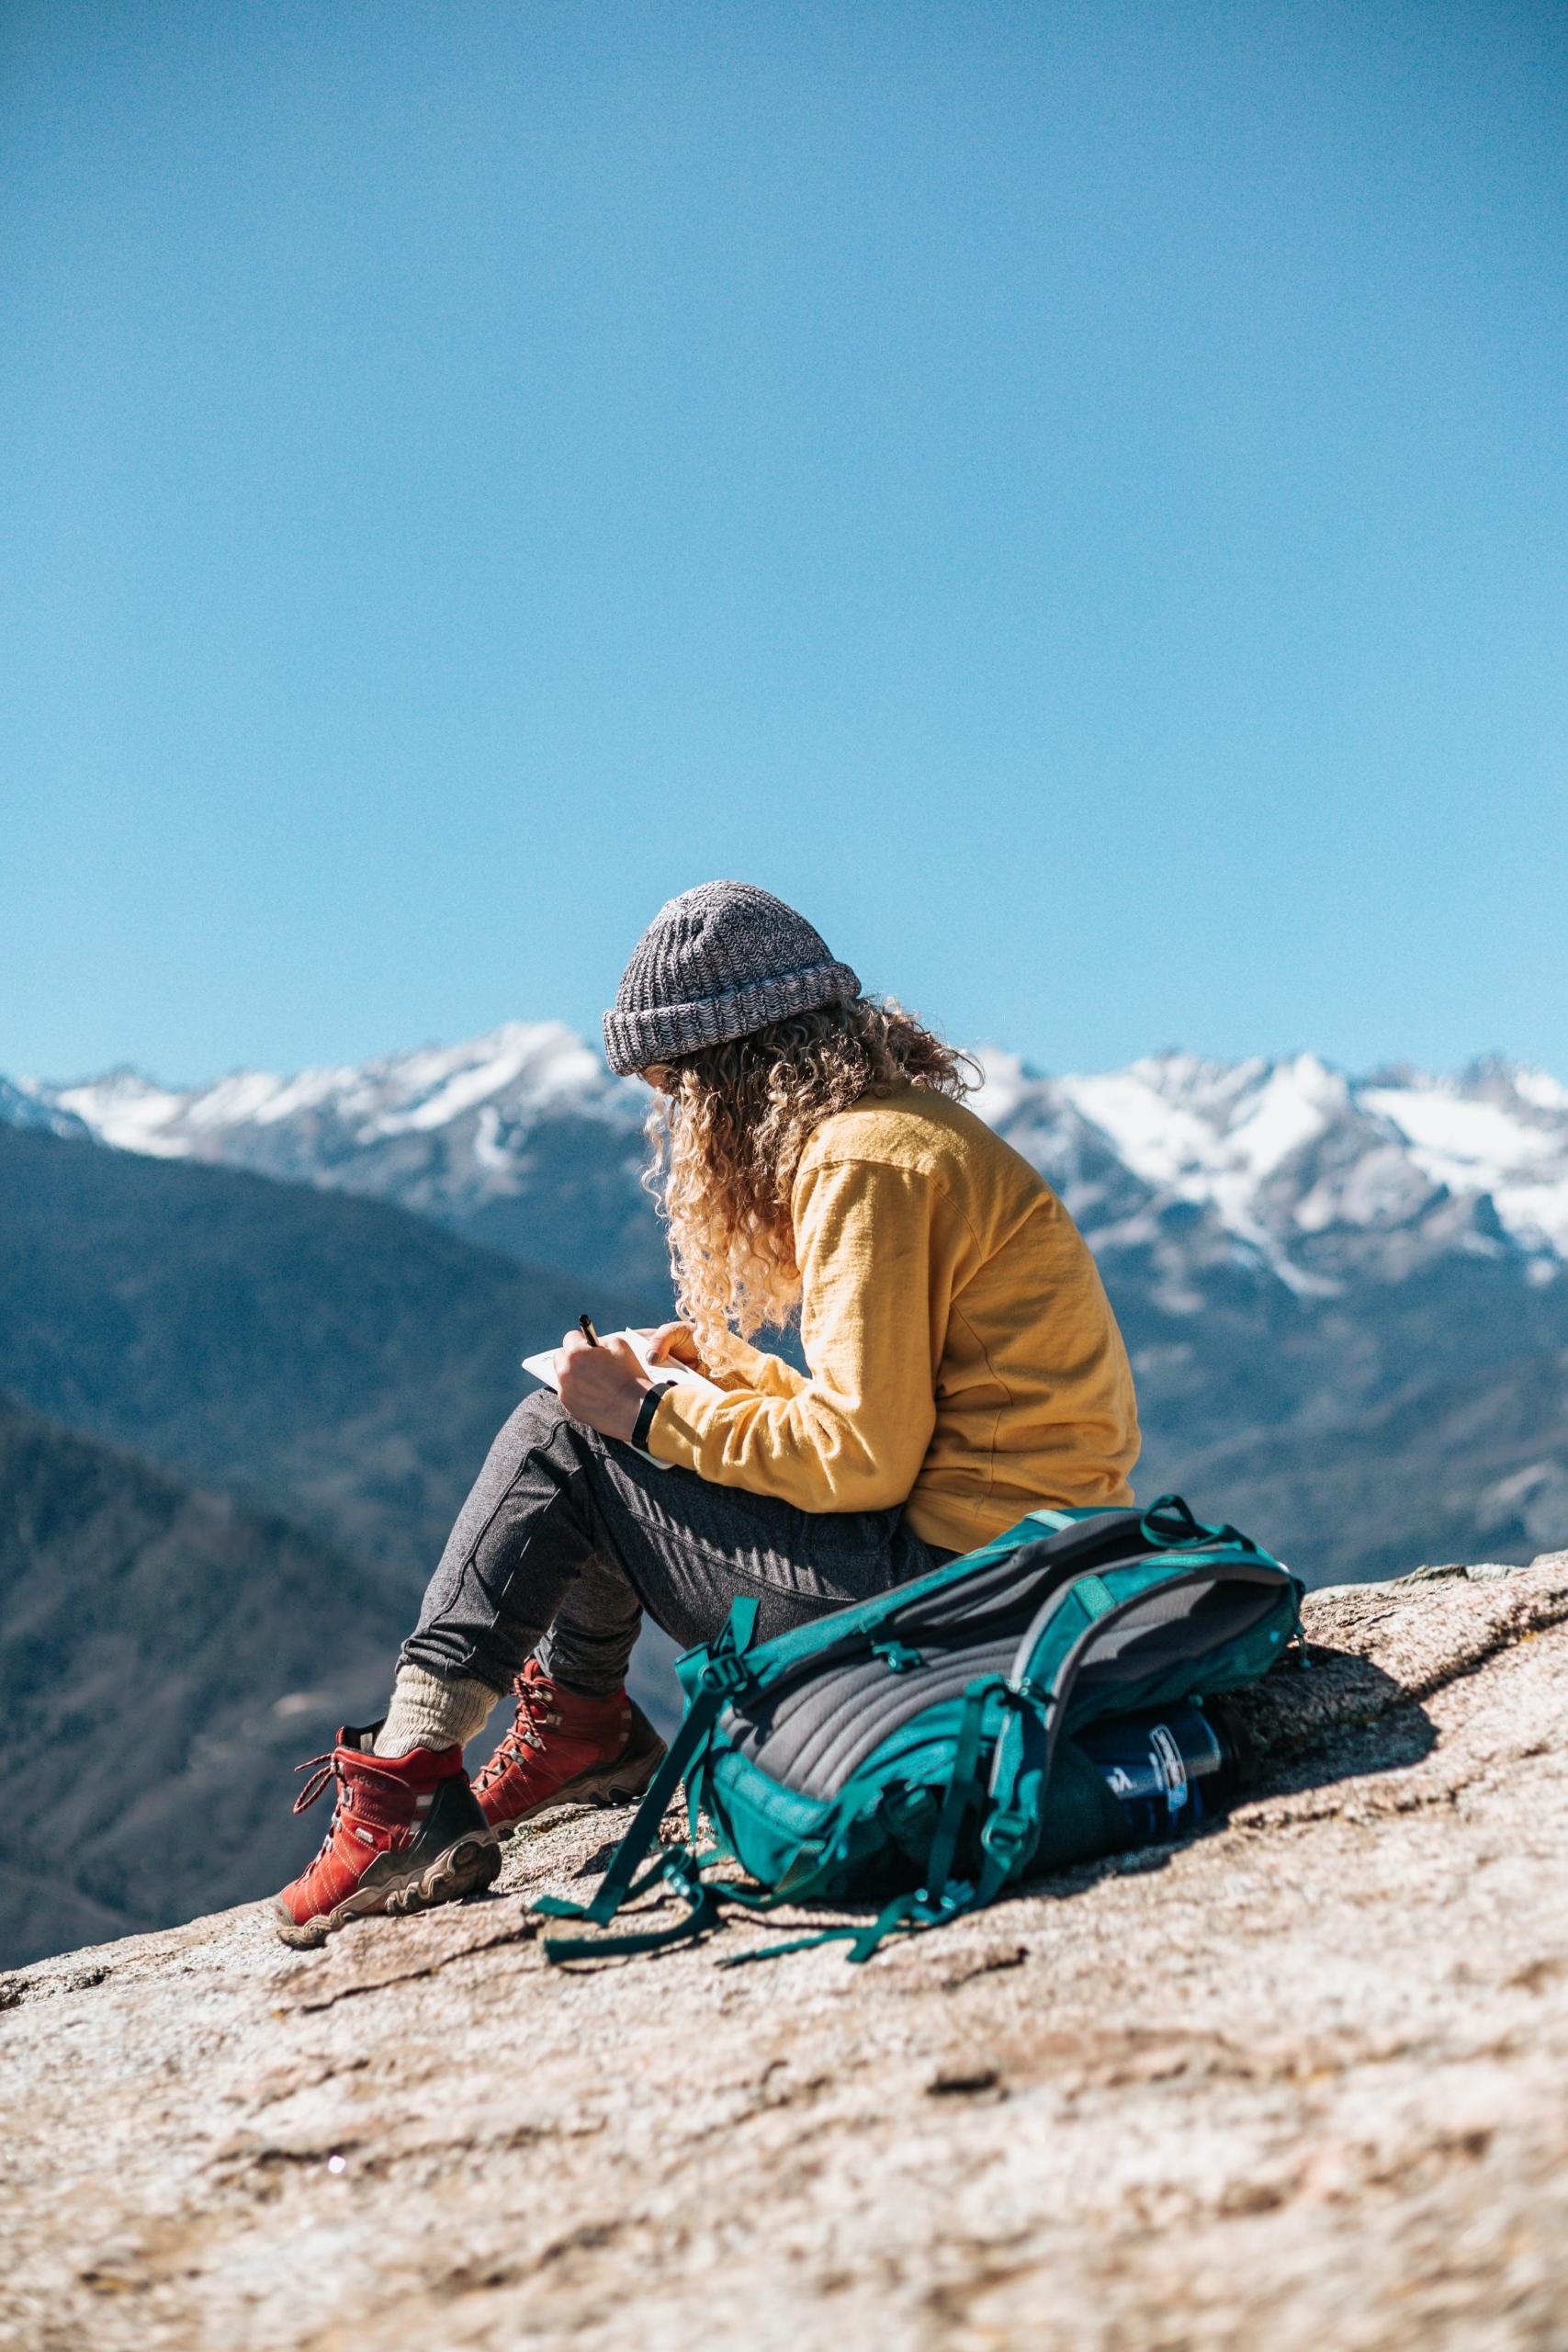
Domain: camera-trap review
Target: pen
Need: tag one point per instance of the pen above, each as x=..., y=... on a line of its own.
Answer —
x=585, y=1326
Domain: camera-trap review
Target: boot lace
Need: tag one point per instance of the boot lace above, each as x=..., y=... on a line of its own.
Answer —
x=529, y=1724
x=322, y=1768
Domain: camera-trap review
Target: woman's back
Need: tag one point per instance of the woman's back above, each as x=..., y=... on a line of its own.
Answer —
x=1009, y=1318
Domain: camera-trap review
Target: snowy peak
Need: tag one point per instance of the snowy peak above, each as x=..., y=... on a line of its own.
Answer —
x=524, y=1137
x=20, y=1109
x=1281, y=1150
x=123, y=1108
x=529, y=1065
x=1188, y=1123
x=1497, y=1130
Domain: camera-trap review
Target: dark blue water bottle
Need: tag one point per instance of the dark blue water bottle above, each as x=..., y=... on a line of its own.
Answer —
x=1168, y=1769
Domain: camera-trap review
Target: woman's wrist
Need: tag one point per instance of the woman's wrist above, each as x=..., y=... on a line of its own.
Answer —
x=602, y=1384
x=642, y=1428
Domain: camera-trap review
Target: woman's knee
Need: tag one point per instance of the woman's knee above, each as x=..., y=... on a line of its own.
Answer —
x=539, y=1415
x=541, y=1426
x=532, y=1429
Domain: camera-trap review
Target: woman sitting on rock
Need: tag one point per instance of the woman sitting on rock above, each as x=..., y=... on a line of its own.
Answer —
x=812, y=1153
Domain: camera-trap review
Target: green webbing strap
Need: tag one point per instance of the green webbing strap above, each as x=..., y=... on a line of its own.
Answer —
x=620, y=1881
x=684, y=1871
x=862, y=1940
x=942, y=1897
x=966, y=1789
x=1011, y=1829
x=706, y=1907
x=724, y=1675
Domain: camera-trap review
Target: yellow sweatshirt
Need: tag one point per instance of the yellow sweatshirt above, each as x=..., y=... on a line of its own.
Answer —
x=962, y=1352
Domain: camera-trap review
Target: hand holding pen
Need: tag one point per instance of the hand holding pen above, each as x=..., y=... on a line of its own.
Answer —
x=601, y=1382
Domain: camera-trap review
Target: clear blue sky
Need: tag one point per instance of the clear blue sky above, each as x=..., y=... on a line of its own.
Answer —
x=1075, y=496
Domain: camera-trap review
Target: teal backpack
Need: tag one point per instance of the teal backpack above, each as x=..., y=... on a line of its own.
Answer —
x=920, y=1752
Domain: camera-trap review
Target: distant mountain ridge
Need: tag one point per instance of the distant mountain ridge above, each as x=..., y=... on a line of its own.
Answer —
x=522, y=1139
x=333, y=1357
x=1346, y=1299
x=36, y=1114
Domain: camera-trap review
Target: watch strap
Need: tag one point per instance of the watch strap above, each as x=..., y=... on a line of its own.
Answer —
x=642, y=1426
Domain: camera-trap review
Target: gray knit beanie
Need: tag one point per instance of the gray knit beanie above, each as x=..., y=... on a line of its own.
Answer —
x=716, y=963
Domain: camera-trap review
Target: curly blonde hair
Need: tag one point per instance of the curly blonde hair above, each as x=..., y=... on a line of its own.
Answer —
x=727, y=1134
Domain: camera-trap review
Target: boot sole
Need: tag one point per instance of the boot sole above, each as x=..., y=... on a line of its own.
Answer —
x=465, y=1868
x=621, y=1782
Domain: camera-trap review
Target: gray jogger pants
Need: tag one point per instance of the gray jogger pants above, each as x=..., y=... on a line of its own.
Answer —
x=568, y=1536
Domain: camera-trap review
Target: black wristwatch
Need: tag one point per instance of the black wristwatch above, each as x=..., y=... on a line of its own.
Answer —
x=642, y=1426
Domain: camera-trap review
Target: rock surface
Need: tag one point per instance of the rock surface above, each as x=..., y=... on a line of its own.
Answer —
x=1300, y=2083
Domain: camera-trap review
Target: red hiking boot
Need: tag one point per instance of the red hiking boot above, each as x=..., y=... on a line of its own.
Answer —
x=566, y=1747
x=406, y=1832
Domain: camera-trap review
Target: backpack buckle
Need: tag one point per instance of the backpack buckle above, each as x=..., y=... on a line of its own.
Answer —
x=683, y=1871
x=1003, y=1838
x=898, y=1656
x=947, y=1902
x=725, y=1674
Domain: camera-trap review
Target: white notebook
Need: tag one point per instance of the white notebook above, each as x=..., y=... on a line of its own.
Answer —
x=545, y=1367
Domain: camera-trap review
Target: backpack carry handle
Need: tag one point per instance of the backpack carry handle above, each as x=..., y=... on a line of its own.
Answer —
x=1170, y=1525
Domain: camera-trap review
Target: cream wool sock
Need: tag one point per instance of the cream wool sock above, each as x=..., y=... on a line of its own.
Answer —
x=426, y=1712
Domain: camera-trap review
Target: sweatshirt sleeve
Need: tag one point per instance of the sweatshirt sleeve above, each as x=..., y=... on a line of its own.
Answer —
x=745, y=1366
x=878, y=1247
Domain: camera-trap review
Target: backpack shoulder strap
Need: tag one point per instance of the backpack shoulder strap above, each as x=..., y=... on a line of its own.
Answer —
x=724, y=1674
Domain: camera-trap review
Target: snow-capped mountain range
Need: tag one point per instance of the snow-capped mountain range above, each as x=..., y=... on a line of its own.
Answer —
x=1288, y=1168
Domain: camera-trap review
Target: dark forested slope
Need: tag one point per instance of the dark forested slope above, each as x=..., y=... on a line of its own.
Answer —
x=336, y=1358
x=336, y=1368
x=166, y=1655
